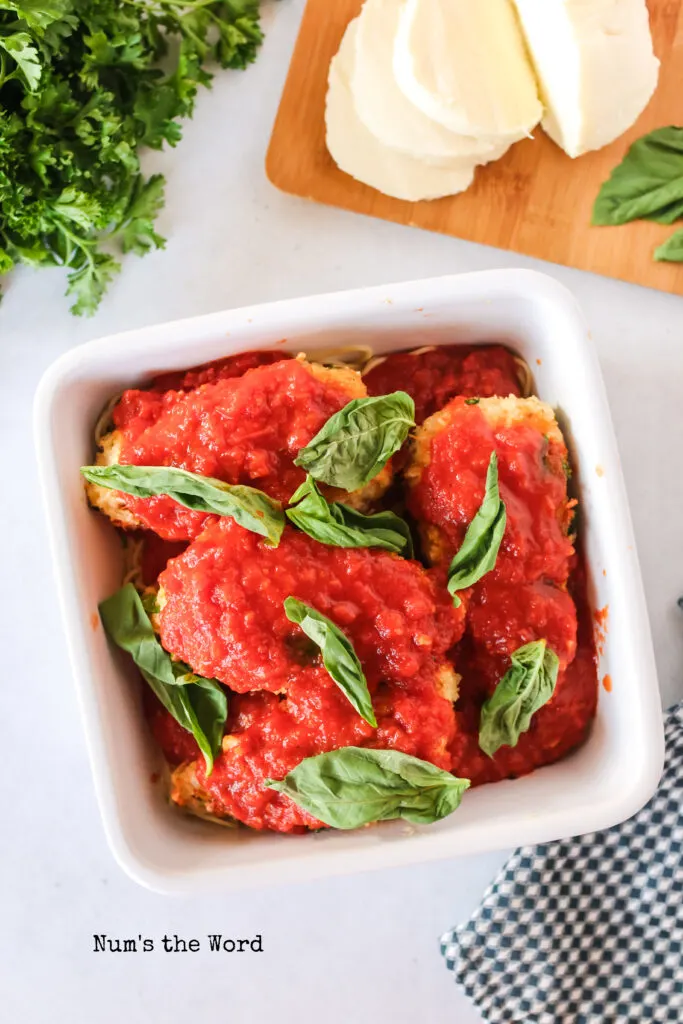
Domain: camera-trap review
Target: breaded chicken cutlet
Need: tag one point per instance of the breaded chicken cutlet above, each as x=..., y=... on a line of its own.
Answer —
x=446, y=478
x=245, y=430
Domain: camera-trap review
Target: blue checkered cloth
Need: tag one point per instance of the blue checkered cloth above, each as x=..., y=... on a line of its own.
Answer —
x=588, y=930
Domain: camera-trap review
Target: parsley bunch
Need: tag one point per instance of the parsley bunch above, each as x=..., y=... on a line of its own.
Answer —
x=81, y=91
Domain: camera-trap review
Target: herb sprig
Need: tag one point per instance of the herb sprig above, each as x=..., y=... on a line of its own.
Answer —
x=648, y=185
x=81, y=92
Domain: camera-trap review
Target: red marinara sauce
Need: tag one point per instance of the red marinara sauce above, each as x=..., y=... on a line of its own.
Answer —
x=557, y=728
x=269, y=735
x=223, y=609
x=224, y=616
x=219, y=369
x=156, y=554
x=433, y=376
x=532, y=483
x=177, y=744
x=245, y=430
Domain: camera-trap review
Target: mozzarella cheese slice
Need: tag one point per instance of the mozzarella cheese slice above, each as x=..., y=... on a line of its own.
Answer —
x=356, y=151
x=595, y=65
x=387, y=112
x=464, y=64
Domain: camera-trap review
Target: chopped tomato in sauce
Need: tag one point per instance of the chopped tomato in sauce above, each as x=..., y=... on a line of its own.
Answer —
x=434, y=376
x=223, y=609
x=220, y=369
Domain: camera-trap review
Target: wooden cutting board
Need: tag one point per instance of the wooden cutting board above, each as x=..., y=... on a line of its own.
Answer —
x=535, y=200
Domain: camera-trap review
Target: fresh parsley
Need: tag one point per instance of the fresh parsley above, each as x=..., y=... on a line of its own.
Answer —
x=81, y=93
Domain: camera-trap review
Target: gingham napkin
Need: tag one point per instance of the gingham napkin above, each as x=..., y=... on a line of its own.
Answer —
x=589, y=930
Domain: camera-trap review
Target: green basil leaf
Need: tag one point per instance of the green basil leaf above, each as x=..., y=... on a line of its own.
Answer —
x=479, y=550
x=352, y=786
x=339, y=657
x=671, y=250
x=199, y=705
x=647, y=184
x=358, y=441
x=251, y=508
x=528, y=684
x=343, y=527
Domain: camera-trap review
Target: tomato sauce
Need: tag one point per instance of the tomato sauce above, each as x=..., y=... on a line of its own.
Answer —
x=267, y=736
x=222, y=596
x=502, y=617
x=156, y=554
x=434, y=376
x=556, y=729
x=223, y=612
x=177, y=744
x=532, y=482
x=219, y=369
x=245, y=430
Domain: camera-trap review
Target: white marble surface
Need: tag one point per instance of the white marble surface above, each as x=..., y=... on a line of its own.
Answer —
x=361, y=949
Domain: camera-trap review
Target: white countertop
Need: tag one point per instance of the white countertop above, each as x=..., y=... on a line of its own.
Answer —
x=361, y=949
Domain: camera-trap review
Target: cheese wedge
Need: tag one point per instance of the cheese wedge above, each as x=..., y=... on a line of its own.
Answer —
x=595, y=64
x=356, y=151
x=387, y=112
x=464, y=64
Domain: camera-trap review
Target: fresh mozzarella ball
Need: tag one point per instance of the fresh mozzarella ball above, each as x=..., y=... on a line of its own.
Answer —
x=387, y=112
x=357, y=152
x=595, y=64
x=464, y=64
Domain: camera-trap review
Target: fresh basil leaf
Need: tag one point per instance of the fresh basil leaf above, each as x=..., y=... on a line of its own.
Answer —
x=672, y=250
x=528, y=684
x=479, y=550
x=352, y=786
x=343, y=527
x=358, y=441
x=251, y=508
x=647, y=184
x=339, y=657
x=199, y=705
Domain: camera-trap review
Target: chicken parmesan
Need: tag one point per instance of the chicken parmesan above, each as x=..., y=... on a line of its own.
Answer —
x=244, y=429
x=352, y=592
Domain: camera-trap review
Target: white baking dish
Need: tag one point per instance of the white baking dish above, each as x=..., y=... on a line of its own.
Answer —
x=603, y=783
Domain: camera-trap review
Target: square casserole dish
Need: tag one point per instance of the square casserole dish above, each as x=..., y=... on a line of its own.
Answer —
x=601, y=784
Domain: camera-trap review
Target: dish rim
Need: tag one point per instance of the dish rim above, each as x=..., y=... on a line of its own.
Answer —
x=154, y=339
